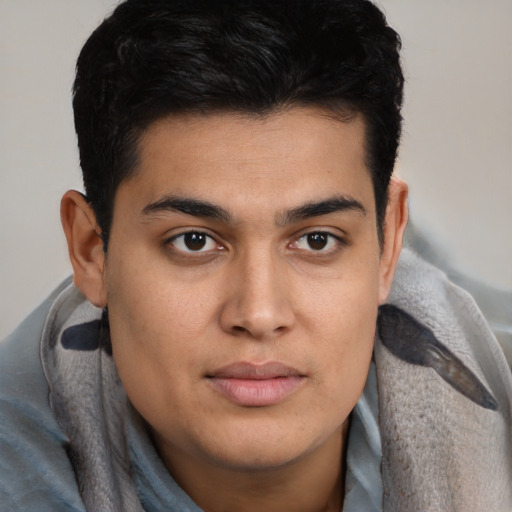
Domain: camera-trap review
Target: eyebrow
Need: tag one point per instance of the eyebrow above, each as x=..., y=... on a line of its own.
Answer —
x=189, y=206
x=205, y=209
x=324, y=207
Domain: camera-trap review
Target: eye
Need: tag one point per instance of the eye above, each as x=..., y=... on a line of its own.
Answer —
x=318, y=241
x=194, y=241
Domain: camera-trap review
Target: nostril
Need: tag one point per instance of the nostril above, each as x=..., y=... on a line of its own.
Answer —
x=238, y=329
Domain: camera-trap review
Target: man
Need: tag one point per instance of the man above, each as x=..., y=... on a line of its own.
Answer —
x=239, y=232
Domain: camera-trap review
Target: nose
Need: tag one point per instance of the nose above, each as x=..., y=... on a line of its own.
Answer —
x=258, y=298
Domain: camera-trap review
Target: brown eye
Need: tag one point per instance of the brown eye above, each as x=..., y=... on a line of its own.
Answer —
x=317, y=241
x=321, y=242
x=194, y=241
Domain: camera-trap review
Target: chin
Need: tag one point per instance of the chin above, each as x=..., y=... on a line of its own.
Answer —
x=256, y=446
x=258, y=458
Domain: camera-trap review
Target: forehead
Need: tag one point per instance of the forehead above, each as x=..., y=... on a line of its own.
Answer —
x=225, y=156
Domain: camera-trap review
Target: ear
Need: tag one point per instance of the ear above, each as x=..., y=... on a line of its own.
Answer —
x=85, y=246
x=395, y=223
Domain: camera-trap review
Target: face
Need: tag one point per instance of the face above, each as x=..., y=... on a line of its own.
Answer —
x=243, y=277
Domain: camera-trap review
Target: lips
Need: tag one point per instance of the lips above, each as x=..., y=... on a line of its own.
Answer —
x=252, y=385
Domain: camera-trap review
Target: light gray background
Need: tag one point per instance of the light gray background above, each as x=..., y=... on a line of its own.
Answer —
x=456, y=152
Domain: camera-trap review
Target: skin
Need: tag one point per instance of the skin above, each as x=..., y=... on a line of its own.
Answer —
x=259, y=290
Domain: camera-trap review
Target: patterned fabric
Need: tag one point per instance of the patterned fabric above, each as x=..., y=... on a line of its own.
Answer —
x=90, y=406
x=421, y=422
x=445, y=444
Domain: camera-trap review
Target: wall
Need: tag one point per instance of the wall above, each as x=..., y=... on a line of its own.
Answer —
x=456, y=153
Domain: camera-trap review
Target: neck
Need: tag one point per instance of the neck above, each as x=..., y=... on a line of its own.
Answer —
x=314, y=483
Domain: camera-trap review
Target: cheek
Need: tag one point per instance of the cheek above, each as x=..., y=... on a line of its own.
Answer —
x=157, y=328
x=345, y=323
x=153, y=303
x=345, y=371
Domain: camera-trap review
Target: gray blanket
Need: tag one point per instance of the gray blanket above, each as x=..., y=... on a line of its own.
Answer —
x=444, y=400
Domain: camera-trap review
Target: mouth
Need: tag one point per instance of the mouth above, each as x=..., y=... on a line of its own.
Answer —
x=256, y=385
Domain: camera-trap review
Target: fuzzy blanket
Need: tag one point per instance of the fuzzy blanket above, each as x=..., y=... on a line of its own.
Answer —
x=444, y=402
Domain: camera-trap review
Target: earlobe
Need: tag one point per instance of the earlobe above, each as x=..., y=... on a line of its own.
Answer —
x=85, y=246
x=394, y=228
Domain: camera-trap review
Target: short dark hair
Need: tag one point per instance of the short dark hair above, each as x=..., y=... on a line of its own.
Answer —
x=153, y=58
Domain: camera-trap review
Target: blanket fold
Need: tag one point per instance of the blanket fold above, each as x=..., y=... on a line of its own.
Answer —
x=445, y=428
x=441, y=449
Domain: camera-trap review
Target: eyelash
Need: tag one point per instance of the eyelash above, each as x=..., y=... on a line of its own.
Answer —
x=331, y=239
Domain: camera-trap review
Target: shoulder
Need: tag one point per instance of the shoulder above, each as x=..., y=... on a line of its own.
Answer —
x=35, y=472
x=445, y=397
